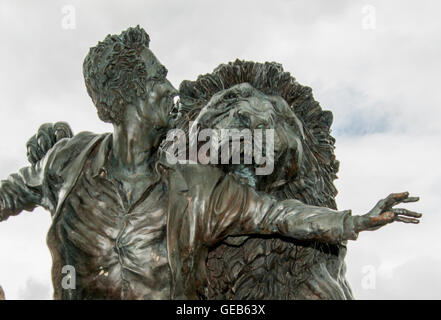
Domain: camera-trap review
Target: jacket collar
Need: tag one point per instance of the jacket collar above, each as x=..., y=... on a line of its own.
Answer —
x=100, y=161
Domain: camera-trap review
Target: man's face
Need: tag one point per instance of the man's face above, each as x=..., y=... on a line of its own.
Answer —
x=158, y=102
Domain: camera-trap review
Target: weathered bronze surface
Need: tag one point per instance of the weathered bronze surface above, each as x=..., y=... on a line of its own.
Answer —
x=135, y=226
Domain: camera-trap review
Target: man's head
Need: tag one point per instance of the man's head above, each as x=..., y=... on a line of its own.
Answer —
x=122, y=71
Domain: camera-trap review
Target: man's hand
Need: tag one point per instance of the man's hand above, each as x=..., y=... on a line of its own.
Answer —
x=47, y=136
x=384, y=213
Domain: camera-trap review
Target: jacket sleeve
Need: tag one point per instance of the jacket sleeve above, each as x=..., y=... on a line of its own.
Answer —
x=32, y=186
x=17, y=195
x=236, y=209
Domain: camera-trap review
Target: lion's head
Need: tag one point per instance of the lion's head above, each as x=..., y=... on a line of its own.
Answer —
x=248, y=95
x=250, y=118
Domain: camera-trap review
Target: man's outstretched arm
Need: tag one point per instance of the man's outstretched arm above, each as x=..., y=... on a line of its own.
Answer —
x=21, y=191
x=237, y=209
x=24, y=190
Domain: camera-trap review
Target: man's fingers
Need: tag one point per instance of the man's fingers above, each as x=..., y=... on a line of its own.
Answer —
x=407, y=213
x=406, y=216
x=406, y=220
x=395, y=198
x=411, y=199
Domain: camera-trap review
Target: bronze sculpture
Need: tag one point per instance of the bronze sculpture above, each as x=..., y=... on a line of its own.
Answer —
x=135, y=226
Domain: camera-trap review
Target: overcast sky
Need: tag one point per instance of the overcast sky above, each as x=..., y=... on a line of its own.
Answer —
x=374, y=64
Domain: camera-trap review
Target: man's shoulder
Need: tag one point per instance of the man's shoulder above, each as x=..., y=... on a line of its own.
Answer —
x=79, y=141
x=69, y=150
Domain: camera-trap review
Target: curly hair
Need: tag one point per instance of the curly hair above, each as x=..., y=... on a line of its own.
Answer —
x=115, y=74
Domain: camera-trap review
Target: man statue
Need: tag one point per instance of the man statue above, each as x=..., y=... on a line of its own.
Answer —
x=126, y=224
